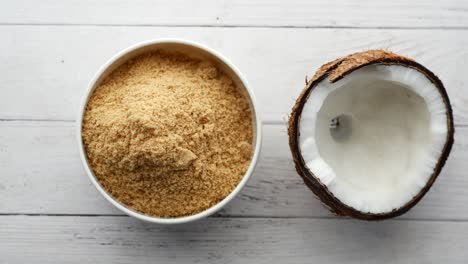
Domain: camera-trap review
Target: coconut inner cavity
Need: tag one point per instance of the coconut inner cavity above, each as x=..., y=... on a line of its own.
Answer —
x=372, y=137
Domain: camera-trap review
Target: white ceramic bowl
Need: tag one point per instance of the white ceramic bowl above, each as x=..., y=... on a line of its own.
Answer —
x=194, y=50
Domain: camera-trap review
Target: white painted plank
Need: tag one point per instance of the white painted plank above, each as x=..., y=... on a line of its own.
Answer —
x=40, y=173
x=298, y=13
x=48, y=239
x=45, y=69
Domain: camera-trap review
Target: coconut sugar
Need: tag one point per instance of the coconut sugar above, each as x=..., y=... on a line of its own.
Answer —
x=168, y=135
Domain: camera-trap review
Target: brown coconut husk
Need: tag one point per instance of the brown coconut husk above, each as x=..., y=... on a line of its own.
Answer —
x=337, y=70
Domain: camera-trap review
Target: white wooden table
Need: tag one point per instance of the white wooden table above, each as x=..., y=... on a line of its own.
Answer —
x=50, y=212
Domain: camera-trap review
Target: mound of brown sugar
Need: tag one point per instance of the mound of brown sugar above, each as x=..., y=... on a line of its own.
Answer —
x=168, y=135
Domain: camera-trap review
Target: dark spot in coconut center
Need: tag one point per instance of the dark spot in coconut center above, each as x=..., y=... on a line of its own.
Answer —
x=341, y=127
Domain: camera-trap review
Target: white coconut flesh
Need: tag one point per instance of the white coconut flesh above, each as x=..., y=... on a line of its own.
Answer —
x=374, y=137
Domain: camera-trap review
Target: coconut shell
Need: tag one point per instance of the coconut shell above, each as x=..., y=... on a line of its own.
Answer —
x=336, y=70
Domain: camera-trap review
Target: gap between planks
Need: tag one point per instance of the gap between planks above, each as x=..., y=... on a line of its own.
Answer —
x=399, y=219
x=265, y=122
x=237, y=26
x=32, y=120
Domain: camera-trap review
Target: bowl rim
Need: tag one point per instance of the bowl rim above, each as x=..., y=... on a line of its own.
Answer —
x=178, y=220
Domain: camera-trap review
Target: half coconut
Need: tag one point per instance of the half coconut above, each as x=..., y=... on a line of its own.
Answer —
x=370, y=133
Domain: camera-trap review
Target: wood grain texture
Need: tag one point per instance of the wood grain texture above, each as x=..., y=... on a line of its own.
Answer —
x=216, y=240
x=41, y=173
x=46, y=69
x=269, y=13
